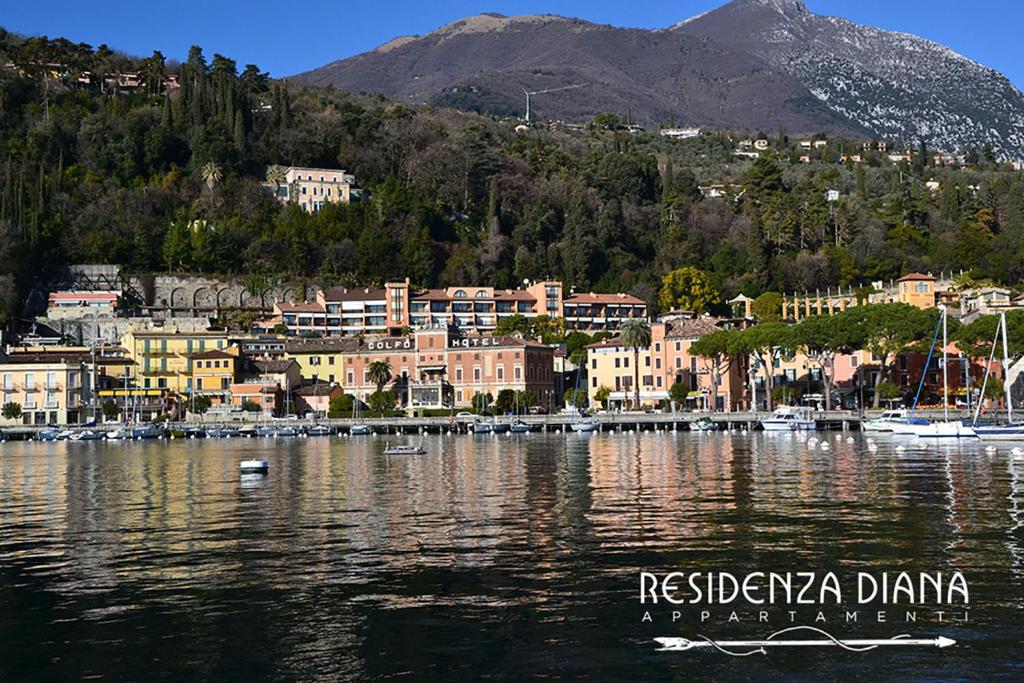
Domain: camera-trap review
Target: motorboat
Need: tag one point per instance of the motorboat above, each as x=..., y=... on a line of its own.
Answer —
x=586, y=424
x=483, y=425
x=266, y=430
x=65, y=434
x=149, y=431
x=704, y=424
x=86, y=435
x=117, y=434
x=320, y=430
x=519, y=427
x=254, y=467
x=403, y=449
x=788, y=419
x=189, y=433
x=221, y=432
x=49, y=434
x=884, y=422
x=288, y=432
x=359, y=430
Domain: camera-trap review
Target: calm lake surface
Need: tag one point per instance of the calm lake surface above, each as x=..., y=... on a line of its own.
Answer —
x=501, y=557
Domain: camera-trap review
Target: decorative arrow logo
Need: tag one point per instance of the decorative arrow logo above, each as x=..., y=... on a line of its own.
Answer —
x=758, y=646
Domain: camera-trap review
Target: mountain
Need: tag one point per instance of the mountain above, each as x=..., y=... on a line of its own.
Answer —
x=896, y=85
x=750, y=64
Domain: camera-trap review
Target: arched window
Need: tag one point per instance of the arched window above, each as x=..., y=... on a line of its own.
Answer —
x=460, y=294
x=482, y=294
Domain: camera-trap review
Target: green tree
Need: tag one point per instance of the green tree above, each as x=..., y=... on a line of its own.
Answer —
x=678, y=393
x=211, y=173
x=720, y=351
x=768, y=343
x=11, y=410
x=379, y=372
x=636, y=335
x=887, y=391
x=602, y=395
x=340, y=406
x=505, y=401
x=576, y=399
x=110, y=409
x=767, y=307
x=890, y=330
x=251, y=406
x=382, y=401
x=688, y=289
x=481, y=401
x=823, y=337
x=201, y=404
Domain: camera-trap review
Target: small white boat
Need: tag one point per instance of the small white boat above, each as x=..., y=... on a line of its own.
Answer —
x=86, y=435
x=788, y=419
x=483, y=425
x=587, y=424
x=254, y=466
x=885, y=422
x=704, y=424
x=519, y=427
x=320, y=430
x=359, y=430
x=117, y=434
x=943, y=429
x=403, y=449
x=1003, y=432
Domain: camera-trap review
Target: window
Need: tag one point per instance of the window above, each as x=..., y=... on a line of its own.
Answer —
x=460, y=294
x=618, y=362
x=501, y=373
x=519, y=372
x=458, y=374
x=476, y=373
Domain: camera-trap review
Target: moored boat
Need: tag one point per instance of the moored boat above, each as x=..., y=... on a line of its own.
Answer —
x=254, y=467
x=885, y=422
x=787, y=419
x=320, y=430
x=519, y=427
x=403, y=449
x=704, y=424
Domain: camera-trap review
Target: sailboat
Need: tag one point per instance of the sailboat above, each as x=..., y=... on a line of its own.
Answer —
x=581, y=421
x=359, y=428
x=1011, y=431
x=945, y=428
x=518, y=426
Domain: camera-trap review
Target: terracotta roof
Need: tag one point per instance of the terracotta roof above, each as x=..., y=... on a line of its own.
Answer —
x=611, y=342
x=514, y=295
x=358, y=294
x=215, y=353
x=304, y=307
x=323, y=345
x=273, y=367
x=318, y=389
x=690, y=328
x=431, y=295
x=915, y=276
x=592, y=298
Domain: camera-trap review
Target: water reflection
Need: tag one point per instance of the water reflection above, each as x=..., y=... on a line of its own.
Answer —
x=487, y=555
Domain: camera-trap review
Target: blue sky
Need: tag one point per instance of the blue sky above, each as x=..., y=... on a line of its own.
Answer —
x=287, y=37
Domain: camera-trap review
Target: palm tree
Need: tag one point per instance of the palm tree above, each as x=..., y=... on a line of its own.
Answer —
x=276, y=176
x=636, y=335
x=211, y=173
x=379, y=372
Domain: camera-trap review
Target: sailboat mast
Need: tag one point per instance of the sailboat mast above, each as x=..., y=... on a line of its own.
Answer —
x=945, y=368
x=1006, y=370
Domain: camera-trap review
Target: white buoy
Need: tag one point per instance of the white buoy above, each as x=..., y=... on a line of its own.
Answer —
x=850, y=439
x=1017, y=451
x=991, y=449
x=825, y=446
x=872, y=447
x=900, y=449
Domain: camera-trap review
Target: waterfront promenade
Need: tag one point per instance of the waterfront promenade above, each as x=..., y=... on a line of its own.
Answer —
x=610, y=422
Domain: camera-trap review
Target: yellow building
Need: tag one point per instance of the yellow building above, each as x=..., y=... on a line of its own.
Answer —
x=213, y=373
x=164, y=356
x=917, y=290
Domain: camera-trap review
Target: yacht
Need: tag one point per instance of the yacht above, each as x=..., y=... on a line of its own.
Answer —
x=586, y=424
x=86, y=435
x=1010, y=430
x=704, y=424
x=519, y=427
x=403, y=449
x=945, y=428
x=885, y=422
x=319, y=430
x=787, y=419
x=49, y=434
x=483, y=425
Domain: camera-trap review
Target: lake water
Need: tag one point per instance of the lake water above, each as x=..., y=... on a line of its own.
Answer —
x=490, y=556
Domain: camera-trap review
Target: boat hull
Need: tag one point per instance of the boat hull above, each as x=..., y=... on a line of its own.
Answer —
x=583, y=427
x=1000, y=432
x=943, y=430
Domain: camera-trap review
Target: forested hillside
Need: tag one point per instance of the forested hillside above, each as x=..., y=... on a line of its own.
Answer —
x=157, y=182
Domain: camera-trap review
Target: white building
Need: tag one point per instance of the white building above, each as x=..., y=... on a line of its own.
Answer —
x=311, y=188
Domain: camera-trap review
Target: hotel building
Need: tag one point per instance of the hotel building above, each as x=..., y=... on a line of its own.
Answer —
x=436, y=367
x=396, y=307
